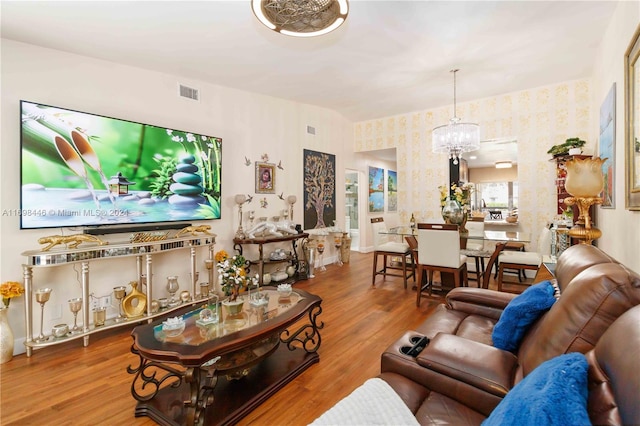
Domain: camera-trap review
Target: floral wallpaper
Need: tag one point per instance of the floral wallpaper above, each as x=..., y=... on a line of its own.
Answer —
x=537, y=118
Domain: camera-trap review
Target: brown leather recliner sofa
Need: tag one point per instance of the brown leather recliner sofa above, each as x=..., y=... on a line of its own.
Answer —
x=459, y=377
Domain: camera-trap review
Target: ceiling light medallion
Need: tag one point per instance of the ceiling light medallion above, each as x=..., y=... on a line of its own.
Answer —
x=455, y=138
x=301, y=18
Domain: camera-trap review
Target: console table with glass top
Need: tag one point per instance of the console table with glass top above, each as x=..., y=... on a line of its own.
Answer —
x=217, y=373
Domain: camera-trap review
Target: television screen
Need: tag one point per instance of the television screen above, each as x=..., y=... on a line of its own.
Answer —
x=80, y=169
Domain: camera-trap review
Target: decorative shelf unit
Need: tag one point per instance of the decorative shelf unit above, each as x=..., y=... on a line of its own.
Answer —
x=143, y=252
x=261, y=260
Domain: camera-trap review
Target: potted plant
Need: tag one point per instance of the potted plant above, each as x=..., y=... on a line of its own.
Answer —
x=572, y=146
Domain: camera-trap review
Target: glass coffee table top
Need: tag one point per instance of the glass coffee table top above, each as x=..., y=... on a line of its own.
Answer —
x=256, y=310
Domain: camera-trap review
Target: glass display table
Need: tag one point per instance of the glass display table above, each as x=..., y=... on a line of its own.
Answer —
x=216, y=373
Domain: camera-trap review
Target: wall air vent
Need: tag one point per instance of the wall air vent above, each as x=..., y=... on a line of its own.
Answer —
x=311, y=130
x=189, y=92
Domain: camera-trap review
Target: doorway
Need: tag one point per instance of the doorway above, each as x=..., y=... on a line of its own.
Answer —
x=352, y=219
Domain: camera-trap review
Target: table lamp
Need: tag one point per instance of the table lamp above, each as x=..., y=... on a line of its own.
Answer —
x=584, y=181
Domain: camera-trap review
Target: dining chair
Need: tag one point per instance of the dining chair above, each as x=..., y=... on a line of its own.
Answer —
x=524, y=260
x=390, y=249
x=439, y=250
x=475, y=249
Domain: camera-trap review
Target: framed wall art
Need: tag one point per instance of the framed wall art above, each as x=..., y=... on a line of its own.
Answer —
x=376, y=189
x=265, y=178
x=392, y=191
x=632, y=122
x=606, y=146
x=319, y=189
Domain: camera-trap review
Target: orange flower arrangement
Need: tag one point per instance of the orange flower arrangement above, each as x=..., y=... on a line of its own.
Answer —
x=9, y=290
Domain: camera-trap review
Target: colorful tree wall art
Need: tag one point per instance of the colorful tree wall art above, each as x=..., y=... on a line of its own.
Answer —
x=376, y=189
x=319, y=189
x=392, y=191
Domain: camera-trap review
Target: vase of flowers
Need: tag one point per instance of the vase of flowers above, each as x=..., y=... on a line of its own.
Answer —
x=232, y=275
x=456, y=204
x=8, y=291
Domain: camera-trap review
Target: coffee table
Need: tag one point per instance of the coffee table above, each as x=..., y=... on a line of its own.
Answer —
x=218, y=373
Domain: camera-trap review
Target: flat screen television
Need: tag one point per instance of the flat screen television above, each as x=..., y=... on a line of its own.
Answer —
x=86, y=170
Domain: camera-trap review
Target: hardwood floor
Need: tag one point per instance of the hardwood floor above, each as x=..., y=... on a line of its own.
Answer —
x=73, y=385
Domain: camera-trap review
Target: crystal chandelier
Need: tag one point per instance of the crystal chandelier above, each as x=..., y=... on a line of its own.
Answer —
x=301, y=18
x=455, y=138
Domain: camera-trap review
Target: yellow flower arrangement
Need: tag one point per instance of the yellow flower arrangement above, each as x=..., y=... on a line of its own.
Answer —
x=9, y=290
x=461, y=194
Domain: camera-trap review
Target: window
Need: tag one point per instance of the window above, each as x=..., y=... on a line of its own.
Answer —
x=496, y=195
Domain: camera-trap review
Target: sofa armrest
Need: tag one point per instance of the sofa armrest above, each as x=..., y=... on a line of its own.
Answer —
x=479, y=301
x=393, y=360
x=482, y=366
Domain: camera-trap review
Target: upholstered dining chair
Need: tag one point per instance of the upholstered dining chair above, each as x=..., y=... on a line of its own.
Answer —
x=439, y=250
x=382, y=246
x=524, y=260
x=475, y=249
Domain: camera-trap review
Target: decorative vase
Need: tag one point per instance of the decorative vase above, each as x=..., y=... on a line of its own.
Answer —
x=6, y=337
x=452, y=212
x=462, y=229
x=235, y=318
x=135, y=303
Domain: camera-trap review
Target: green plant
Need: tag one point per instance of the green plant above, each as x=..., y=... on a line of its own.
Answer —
x=160, y=185
x=564, y=148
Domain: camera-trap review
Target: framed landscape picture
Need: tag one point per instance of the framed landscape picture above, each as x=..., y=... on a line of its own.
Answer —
x=606, y=146
x=376, y=189
x=392, y=191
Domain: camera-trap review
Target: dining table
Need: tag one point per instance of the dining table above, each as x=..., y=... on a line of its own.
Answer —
x=500, y=238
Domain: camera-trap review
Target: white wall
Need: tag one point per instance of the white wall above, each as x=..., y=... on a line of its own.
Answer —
x=249, y=124
x=620, y=227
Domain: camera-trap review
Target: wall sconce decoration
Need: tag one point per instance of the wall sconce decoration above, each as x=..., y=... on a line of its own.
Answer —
x=240, y=199
x=291, y=199
x=584, y=181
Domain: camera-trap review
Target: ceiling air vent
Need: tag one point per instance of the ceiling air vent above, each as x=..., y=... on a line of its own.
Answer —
x=189, y=92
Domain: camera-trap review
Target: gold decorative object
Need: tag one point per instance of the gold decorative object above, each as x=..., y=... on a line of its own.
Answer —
x=120, y=293
x=71, y=241
x=145, y=237
x=135, y=303
x=584, y=181
x=193, y=230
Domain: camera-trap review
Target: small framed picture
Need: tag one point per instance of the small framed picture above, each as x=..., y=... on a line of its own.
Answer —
x=265, y=178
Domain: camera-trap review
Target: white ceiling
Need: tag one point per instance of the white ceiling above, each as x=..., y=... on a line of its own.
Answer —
x=390, y=57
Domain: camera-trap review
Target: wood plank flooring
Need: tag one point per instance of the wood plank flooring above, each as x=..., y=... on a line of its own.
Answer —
x=73, y=385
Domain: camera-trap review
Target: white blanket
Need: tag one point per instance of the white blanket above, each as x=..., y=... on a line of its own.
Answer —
x=373, y=403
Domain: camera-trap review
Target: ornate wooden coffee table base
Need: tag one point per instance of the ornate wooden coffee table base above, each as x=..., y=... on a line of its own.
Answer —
x=216, y=373
x=233, y=399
